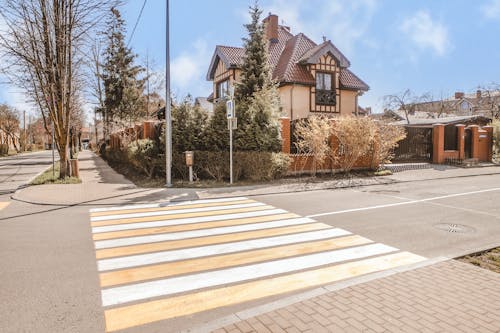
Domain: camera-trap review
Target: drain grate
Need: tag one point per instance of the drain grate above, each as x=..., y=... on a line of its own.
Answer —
x=454, y=228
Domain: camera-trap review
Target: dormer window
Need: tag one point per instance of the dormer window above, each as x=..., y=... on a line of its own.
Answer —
x=223, y=89
x=325, y=91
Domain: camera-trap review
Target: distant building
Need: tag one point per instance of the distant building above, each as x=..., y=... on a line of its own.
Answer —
x=205, y=105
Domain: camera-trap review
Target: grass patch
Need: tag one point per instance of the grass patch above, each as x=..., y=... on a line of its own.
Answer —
x=47, y=177
x=382, y=173
x=488, y=259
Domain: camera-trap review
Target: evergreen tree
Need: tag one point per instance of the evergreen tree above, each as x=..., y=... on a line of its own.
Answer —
x=255, y=69
x=123, y=90
x=188, y=122
x=216, y=135
x=257, y=105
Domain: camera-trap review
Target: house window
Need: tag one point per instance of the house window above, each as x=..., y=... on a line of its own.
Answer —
x=325, y=91
x=223, y=89
x=465, y=105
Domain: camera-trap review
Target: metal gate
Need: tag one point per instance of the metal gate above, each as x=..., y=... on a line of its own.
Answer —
x=417, y=146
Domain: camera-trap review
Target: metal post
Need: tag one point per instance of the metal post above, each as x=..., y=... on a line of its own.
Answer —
x=53, y=157
x=231, y=151
x=168, y=118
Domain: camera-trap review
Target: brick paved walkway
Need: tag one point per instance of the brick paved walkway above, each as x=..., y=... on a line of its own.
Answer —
x=446, y=297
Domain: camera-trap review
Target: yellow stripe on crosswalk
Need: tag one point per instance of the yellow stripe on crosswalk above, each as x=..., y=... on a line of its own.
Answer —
x=223, y=261
x=189, y=227
x=170, y=208
x=195, y=242
x=179, y=216
x=183, y=305
x=4, y=205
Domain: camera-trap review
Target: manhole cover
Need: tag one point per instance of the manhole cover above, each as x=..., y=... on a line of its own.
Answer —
x=454, y=228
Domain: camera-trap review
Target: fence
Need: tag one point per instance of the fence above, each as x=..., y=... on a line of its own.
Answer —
x=417, y=146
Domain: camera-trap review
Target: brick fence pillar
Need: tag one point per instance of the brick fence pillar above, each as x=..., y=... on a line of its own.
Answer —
x=461, y=141
x=474, y=129
x=285, y=135
x=438, y=144
x=148, y=130
x=489, y=130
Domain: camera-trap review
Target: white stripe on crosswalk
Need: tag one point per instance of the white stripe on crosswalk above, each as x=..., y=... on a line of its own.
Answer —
x=165, y=204
x=170, y=286
x=153, y=224
x=199, y=233
x=172, y=212
x=204, y=251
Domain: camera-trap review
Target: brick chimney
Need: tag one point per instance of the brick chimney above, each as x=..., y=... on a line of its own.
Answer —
x=271, y=26
x=459, y=95
x=478, y=94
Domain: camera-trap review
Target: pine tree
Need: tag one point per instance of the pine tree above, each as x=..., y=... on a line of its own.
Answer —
x=257, y=105
x=215, y=134
x=255, y=69
x=188, y=122
x=123, y=90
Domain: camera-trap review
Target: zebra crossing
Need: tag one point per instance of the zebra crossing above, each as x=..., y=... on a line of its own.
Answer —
x=163, y=261
x=4, y=205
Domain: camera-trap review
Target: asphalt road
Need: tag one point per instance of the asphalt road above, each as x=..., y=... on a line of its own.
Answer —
x=50, y=277
x=18, y=170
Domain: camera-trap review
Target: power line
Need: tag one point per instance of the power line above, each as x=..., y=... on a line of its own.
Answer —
x=137, y=22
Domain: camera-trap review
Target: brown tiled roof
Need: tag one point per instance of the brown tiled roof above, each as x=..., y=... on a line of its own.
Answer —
x=312, y=54
x=233, y=55
x=350, y=81
x=287, y=59
x=288, y=69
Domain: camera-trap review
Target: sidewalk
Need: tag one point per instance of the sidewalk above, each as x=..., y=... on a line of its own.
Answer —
x=101, y=185
x=445, y=297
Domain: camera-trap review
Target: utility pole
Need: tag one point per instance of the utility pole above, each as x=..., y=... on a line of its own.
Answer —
x=168, y=115
x=24, y=125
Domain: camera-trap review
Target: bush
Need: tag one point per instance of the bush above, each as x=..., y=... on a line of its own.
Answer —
x=143, y=155
x=4, y=149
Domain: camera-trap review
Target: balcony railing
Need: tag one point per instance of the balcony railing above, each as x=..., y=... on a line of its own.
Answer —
x=326, y=97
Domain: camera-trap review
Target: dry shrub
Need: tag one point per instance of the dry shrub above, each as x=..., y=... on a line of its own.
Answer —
x=355, y=138
x=313, y=138
x=388, y=137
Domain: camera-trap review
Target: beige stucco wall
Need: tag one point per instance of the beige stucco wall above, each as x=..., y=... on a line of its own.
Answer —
x=348, y=102
x=294, y=101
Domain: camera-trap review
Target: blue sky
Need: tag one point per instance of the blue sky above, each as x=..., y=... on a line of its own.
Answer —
x=427, y=46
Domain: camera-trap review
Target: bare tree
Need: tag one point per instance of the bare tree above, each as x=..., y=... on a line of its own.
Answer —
x=406, y=102
x=44, y=47
x=488, y=100
x=9, y=125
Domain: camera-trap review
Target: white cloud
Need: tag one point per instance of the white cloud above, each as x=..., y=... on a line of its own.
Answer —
x=344, y=22
x=188, y=70
x=491, y=9
x=426, y=33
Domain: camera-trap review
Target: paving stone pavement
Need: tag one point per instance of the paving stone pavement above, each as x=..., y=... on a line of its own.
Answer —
x=446, y=297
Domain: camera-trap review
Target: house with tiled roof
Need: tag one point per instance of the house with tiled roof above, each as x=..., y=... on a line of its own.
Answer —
x=312, y=78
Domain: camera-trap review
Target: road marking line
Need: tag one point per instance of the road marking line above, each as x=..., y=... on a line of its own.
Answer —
x=166, y=213
x=4, y=205
x=204, y=251
x=199, y=233
x=177, y=306
x=252, y=208
x=114, y=278
x=184, y=221
x=188, y=227
x=168, y=208
x=404, y=203
x=168, y=204
x=195, y=242
x=176, y=285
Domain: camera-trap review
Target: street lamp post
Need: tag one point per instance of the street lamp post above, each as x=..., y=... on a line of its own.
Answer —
x=168, y=115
